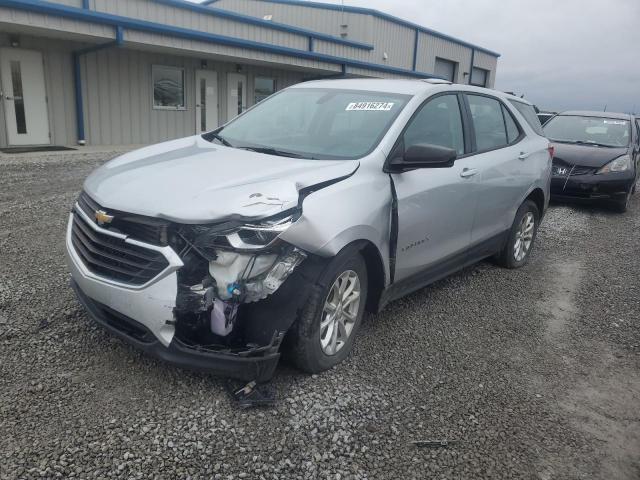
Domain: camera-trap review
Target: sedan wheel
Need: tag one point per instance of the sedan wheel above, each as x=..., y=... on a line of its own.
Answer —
x=340, y=312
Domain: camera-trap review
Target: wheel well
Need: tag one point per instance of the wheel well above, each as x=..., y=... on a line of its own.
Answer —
x=375, y=273
x=537, y=196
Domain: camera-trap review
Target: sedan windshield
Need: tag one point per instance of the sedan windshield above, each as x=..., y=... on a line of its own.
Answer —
x=605, y=132
x=315, y=123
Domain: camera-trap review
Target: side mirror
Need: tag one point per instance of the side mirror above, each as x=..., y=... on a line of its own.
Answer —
x=424, y=155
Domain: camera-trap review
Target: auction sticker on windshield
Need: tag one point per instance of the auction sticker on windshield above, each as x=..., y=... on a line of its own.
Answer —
x=370, y=106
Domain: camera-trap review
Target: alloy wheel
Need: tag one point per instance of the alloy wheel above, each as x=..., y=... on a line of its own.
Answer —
x=524, y=237
x=340, y=312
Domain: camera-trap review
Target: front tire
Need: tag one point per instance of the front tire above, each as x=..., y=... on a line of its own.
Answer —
x=522, y=235
x=323, y=335
x=622, y=204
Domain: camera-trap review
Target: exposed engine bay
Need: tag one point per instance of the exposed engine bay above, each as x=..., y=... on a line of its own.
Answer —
x=229, y=272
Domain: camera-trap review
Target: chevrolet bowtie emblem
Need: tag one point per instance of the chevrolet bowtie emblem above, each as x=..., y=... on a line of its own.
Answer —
x=102, y=217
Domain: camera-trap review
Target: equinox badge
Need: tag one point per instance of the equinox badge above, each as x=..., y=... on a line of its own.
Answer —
x=102, y=217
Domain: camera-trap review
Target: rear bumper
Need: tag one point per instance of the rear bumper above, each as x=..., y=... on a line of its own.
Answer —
x=592, y=187
x=256, y=364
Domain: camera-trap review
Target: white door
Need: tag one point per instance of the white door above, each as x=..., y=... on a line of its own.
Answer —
x=24, y=99
x=206, y=100
x=236, y=95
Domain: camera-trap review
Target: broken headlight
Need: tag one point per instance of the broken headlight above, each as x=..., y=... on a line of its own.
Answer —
x=255, y=236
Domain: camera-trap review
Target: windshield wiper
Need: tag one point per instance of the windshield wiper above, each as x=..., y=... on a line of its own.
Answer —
x=220, y=138
x=582, y=142
x=275, y=151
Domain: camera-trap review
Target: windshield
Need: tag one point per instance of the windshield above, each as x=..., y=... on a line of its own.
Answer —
x=315, y=123
x=607, y=132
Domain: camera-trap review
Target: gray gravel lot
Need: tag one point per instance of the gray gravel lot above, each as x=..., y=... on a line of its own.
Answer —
x=534, y=373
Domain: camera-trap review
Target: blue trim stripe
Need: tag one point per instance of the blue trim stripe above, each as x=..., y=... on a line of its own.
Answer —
x=379, y=14
x=40, y=6
x=238, y=17
x=415, y=49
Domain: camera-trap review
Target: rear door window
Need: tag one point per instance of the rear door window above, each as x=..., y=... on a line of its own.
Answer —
x=529, y=115
x=513, y=131
x=488, y=122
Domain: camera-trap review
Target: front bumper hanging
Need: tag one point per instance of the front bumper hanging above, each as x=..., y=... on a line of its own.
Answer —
x=257, y=363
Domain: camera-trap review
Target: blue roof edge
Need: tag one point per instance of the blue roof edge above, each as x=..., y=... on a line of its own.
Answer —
x=375, y=13
x=239, y=17
x=92, y=16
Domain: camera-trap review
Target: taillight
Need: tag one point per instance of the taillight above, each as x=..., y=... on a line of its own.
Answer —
x=552, y=151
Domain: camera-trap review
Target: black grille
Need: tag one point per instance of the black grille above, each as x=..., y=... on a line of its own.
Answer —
x=145, y=229
x=112, y=257
x=577, y=169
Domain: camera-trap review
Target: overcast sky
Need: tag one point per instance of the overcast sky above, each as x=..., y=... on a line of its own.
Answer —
x=561, y=54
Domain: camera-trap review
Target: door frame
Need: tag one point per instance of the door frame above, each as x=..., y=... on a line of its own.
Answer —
x=198, y=113
x=46, y=100
x=245, y=93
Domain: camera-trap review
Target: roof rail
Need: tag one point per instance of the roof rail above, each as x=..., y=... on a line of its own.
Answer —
x=437, y=81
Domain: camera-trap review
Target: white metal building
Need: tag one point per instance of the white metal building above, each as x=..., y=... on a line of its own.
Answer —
x=116, y=72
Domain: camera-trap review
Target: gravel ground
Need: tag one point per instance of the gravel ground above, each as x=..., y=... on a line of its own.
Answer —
x=533, y=373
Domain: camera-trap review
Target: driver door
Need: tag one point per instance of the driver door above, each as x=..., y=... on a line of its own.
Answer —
x=436, y=206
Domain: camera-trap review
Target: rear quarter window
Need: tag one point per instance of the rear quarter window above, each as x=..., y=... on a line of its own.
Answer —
x=529, y=115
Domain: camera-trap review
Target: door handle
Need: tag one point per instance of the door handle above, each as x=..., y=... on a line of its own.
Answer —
x=468, y=172
x=7, y=97
x=523, y=156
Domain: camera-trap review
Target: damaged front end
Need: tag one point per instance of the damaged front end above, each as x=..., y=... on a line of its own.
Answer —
x=229, y=298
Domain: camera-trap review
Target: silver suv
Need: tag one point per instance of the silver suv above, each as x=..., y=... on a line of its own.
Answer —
x=275, y=232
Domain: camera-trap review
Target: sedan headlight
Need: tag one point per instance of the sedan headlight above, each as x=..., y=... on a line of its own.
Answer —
x=620, y=164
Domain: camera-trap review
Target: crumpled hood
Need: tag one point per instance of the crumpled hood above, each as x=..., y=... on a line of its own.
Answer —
x=191, y=180
x=585, y=155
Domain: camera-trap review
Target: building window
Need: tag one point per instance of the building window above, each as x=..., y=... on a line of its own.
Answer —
x=446, y=69
x=263, y=87
x=168, y=88
x=479, y=77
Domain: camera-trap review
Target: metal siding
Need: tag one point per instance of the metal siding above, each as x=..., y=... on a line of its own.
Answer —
x=118, y=95
x=206, y=49
x=430, y=47
x=487, y=62
x=325, y=21
x=363, y=72
x=179, y=17
x=386, y=36
x=29, y=19
x=396, y=40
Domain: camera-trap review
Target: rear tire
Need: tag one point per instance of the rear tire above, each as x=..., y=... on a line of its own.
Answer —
x=324, y=334
x=522, y=235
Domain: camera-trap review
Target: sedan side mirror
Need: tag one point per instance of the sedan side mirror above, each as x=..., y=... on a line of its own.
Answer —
x=424, y=155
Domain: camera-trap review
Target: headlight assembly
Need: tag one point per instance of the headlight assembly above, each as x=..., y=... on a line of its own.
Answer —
x=255, y=236
x=233, y=235
x=620, y=164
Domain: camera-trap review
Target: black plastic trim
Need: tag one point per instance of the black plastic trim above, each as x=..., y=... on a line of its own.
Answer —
x=444, y=268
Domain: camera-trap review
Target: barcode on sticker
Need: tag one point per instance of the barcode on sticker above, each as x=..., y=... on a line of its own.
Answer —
x=370, y=106
x=615, y=122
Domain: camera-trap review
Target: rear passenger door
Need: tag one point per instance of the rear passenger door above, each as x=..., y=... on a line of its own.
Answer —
x=502, y=153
